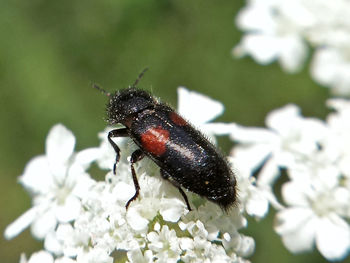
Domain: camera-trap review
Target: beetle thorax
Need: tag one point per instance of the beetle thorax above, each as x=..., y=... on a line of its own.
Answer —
x=127, y=103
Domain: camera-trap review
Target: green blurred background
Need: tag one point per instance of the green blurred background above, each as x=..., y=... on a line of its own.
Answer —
x=52, y=51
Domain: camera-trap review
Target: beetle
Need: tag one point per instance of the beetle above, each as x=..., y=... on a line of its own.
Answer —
x=185, y=157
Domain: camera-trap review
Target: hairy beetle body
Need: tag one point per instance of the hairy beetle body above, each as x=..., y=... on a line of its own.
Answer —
x=185, y=157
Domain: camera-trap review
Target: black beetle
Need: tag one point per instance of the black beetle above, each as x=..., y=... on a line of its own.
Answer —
x=185, y=157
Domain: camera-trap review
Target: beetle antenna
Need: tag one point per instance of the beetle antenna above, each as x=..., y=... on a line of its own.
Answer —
x=139, y=77
x=101, y=90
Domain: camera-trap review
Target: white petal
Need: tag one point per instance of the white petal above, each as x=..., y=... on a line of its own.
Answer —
x=331, y=67
x=282, y=118
x=37, y=176
x=41, y=257
x=135, y=220
x=96, y=254
x=136, y=256
x=338, y=104
x=60, y=144
x=207, y=108
x=65, y=260
x=44, y=224
x=20, y=223
x=186, y=243
x=252, y=135
x=82, y=185
x=52, y=244
x=218, y=128
x=246, y=246
x=255, y=18
x=289, y=219
x=294, y=193
x=123, y=191
x=297, y=228
x=263, y=48
x=257, y=206
x=64, y=232
x=269, y=195
x=269, y=173
x=23, y=258
x=69, y=210
x=87, y=156
x=324, y=65
x=333, y=238
x=172, y=209
x=301, y=15
x=293, y=53
x=341, y=198
x=250, y=157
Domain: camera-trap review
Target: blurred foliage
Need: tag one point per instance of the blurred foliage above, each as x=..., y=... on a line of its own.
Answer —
x=52, y=51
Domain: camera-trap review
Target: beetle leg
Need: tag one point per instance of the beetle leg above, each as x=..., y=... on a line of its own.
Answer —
x=122, y=132
x=166, y=176
x=135, y=157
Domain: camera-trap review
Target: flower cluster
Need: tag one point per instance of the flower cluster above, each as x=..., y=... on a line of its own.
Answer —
x=82, y=219
x=314, y=154
x=283, y=29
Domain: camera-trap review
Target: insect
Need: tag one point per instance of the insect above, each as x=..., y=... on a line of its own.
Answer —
x=185, y=157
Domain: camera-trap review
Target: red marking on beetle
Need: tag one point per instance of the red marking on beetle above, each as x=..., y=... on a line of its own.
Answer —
x=154, y=140
x=177, y=119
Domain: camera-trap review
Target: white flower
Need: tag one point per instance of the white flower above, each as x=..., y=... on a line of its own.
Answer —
x=64, y=260
x=314, y=154
x=330, y=67
x=338, y=143
x=66, y=240
x=289, y=139
x=104, y=218
x=38, y=257
x=253, y=198
x=57, y=181
x=313, y=217
x=165, y=244
x=83, y=220
x=154, y=198
x=272, y=34
x=205, y=111
x=282, y=29
x=94, y=255
x=201, y=250
x=209, y=224
x=136, y=256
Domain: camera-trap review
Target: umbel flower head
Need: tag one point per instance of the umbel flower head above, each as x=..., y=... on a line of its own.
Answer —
x=317, y=193
x=56, y=181
x=277, y=30
x=85, y=220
